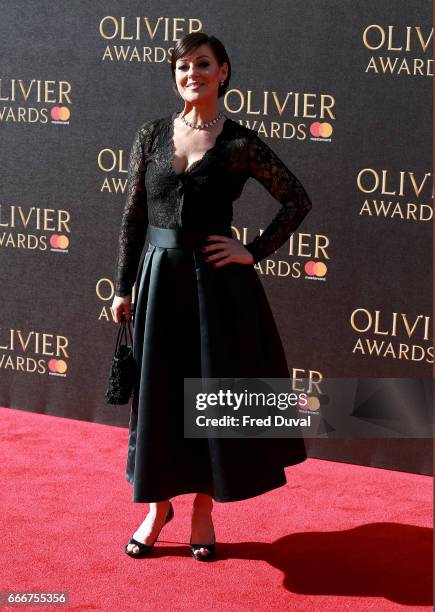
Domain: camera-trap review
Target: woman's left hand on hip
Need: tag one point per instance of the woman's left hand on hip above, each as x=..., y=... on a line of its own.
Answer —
x=226, y=250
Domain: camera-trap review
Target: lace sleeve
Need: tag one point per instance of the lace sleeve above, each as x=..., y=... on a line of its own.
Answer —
x=268, y=169
x=135, y=215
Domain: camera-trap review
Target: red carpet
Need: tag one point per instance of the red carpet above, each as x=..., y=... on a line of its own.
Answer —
x=336, y=537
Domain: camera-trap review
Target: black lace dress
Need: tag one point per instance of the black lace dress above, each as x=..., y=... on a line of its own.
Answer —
x=194, y=320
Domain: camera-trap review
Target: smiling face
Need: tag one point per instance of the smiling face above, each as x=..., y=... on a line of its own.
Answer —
x=198, y=74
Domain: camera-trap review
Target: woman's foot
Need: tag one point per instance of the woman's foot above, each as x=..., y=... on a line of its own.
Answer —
x=149, y=530
x=202, y=527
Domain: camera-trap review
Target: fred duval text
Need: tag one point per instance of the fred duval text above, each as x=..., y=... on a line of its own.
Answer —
x=247, y=421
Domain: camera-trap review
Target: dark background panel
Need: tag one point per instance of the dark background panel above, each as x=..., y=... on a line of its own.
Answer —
x=381, y=121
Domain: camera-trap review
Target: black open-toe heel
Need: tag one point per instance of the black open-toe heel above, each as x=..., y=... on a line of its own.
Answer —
x=211, y=551
x=145, y=549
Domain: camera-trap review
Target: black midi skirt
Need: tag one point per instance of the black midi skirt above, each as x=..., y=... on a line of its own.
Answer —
x=194, y=320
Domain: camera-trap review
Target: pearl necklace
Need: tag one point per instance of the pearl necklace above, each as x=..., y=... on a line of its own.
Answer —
x=200, y=126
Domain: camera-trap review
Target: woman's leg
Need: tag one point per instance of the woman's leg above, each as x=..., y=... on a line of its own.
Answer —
x=151, y=526
x=202, y=522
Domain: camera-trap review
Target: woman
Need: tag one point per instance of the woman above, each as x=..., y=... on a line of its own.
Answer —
x=200, y=308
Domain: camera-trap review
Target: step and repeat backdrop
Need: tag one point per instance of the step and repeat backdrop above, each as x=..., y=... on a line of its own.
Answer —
x=341, y=91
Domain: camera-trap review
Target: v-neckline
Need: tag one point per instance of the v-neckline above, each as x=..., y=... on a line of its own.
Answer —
x=198, y=161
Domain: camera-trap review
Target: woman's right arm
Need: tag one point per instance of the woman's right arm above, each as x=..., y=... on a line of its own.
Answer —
x=134, y=223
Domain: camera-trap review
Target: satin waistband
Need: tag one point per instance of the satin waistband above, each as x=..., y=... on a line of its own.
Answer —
x=183, y=238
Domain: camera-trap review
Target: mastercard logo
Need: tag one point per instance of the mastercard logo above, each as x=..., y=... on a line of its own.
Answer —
x=58, y=366
x=315, y=268
x=321, y=130
x=59, y=241
x=313, y=403
x=60, y=113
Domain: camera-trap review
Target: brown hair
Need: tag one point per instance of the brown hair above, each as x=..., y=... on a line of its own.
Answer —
x=190, y=42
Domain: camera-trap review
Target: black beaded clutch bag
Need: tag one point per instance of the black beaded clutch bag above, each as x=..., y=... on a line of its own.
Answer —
x=123, y=370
